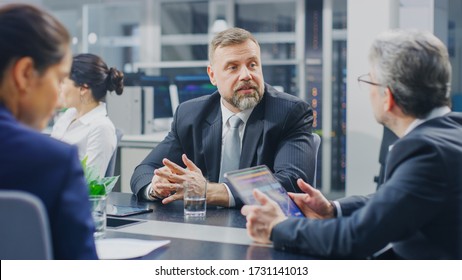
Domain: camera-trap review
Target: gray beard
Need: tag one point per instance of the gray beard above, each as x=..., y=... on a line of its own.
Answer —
x=245, y=102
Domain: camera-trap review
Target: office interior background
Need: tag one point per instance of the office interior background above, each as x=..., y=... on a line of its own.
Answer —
x=314, y=49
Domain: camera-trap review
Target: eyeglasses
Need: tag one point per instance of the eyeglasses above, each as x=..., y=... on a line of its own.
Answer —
x=365, y=83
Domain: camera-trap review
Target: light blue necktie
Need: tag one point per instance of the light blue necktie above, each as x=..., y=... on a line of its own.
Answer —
x=231, y=147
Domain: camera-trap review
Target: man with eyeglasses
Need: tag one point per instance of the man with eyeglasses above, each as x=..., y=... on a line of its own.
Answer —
x=417, y=212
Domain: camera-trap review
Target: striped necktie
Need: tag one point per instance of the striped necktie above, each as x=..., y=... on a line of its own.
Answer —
x=231, y=148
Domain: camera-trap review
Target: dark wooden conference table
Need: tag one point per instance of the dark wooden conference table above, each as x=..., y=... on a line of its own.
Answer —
x=221, y=235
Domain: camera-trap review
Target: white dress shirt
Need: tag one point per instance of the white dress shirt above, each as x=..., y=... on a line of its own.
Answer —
x=93, y=133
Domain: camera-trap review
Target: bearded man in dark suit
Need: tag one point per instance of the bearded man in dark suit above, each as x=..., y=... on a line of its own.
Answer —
x=274, y=129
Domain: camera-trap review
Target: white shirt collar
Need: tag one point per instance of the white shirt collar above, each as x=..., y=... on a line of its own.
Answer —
x=435, y=113
x=98, y=111
x=226, y=113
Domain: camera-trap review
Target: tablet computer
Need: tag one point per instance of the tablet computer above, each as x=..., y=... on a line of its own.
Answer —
x=243, y=181
x=124, y=211
x=120, y=223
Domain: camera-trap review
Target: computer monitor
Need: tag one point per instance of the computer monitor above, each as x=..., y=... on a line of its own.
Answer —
x=132, y=79
x=158, y=111
x=193, y=86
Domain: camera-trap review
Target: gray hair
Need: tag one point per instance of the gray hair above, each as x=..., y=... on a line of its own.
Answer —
x=415, y=66
x=229, y=37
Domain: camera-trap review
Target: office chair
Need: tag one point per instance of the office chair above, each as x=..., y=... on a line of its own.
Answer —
x=317, y=144
x=111, y=166
x=25, y=232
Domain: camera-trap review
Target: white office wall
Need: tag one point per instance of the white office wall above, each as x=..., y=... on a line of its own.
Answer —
x=430, y=15
x=366, y=19
x=454, y=15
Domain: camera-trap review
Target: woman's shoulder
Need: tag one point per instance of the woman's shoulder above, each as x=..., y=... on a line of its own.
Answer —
x=102, y=128
x=104, y=123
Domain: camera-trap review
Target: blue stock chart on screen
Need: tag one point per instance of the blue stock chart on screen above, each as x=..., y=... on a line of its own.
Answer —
x=193, y=86
x=162, y=102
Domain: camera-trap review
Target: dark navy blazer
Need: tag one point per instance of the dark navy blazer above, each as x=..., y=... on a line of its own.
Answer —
x=49, y=169
x=418, y=208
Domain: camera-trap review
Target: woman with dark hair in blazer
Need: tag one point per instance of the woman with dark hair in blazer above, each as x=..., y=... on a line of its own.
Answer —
x=35, y=58
x=86, y=124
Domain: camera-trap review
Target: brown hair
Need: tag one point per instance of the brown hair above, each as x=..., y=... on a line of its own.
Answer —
x=91, y=70
x=27, y=31
x=229, y=37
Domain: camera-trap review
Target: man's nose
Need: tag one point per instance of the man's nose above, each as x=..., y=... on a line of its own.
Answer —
x=245, y=74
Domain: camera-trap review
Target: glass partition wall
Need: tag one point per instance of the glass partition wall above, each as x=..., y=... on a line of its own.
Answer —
x=169, y=38
x=303, y=44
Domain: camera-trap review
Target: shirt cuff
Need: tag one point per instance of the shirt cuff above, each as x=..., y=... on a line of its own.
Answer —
x=338, y=208
x=231, y=201
x=147, y=193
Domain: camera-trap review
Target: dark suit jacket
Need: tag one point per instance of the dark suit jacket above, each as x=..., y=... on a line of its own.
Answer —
x=277, y=134
x=49, y=169
x=418, y=208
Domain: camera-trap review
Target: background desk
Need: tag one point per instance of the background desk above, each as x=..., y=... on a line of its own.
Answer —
x=132, y=150
x=221, y=235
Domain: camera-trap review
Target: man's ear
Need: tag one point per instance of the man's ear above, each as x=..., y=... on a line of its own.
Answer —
x=211, y=75
x=389, y=100
x=23, y=73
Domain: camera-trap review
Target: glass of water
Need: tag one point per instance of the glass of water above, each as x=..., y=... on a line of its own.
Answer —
x=195, y=199
x=98, y=212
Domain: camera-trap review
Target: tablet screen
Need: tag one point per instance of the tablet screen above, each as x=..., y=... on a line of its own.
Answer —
x=260, y=177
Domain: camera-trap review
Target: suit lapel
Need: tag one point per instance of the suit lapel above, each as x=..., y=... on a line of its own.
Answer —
x=211, y=141
x=389, y=163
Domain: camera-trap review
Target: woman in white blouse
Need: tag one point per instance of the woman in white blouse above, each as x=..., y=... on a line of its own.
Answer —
x=85, y=123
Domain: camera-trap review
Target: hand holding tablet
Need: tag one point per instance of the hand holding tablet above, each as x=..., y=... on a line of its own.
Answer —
x=243, y=181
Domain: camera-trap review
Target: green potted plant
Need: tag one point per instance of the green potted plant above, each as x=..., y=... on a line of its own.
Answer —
x=97, y=185
x=98, y=189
